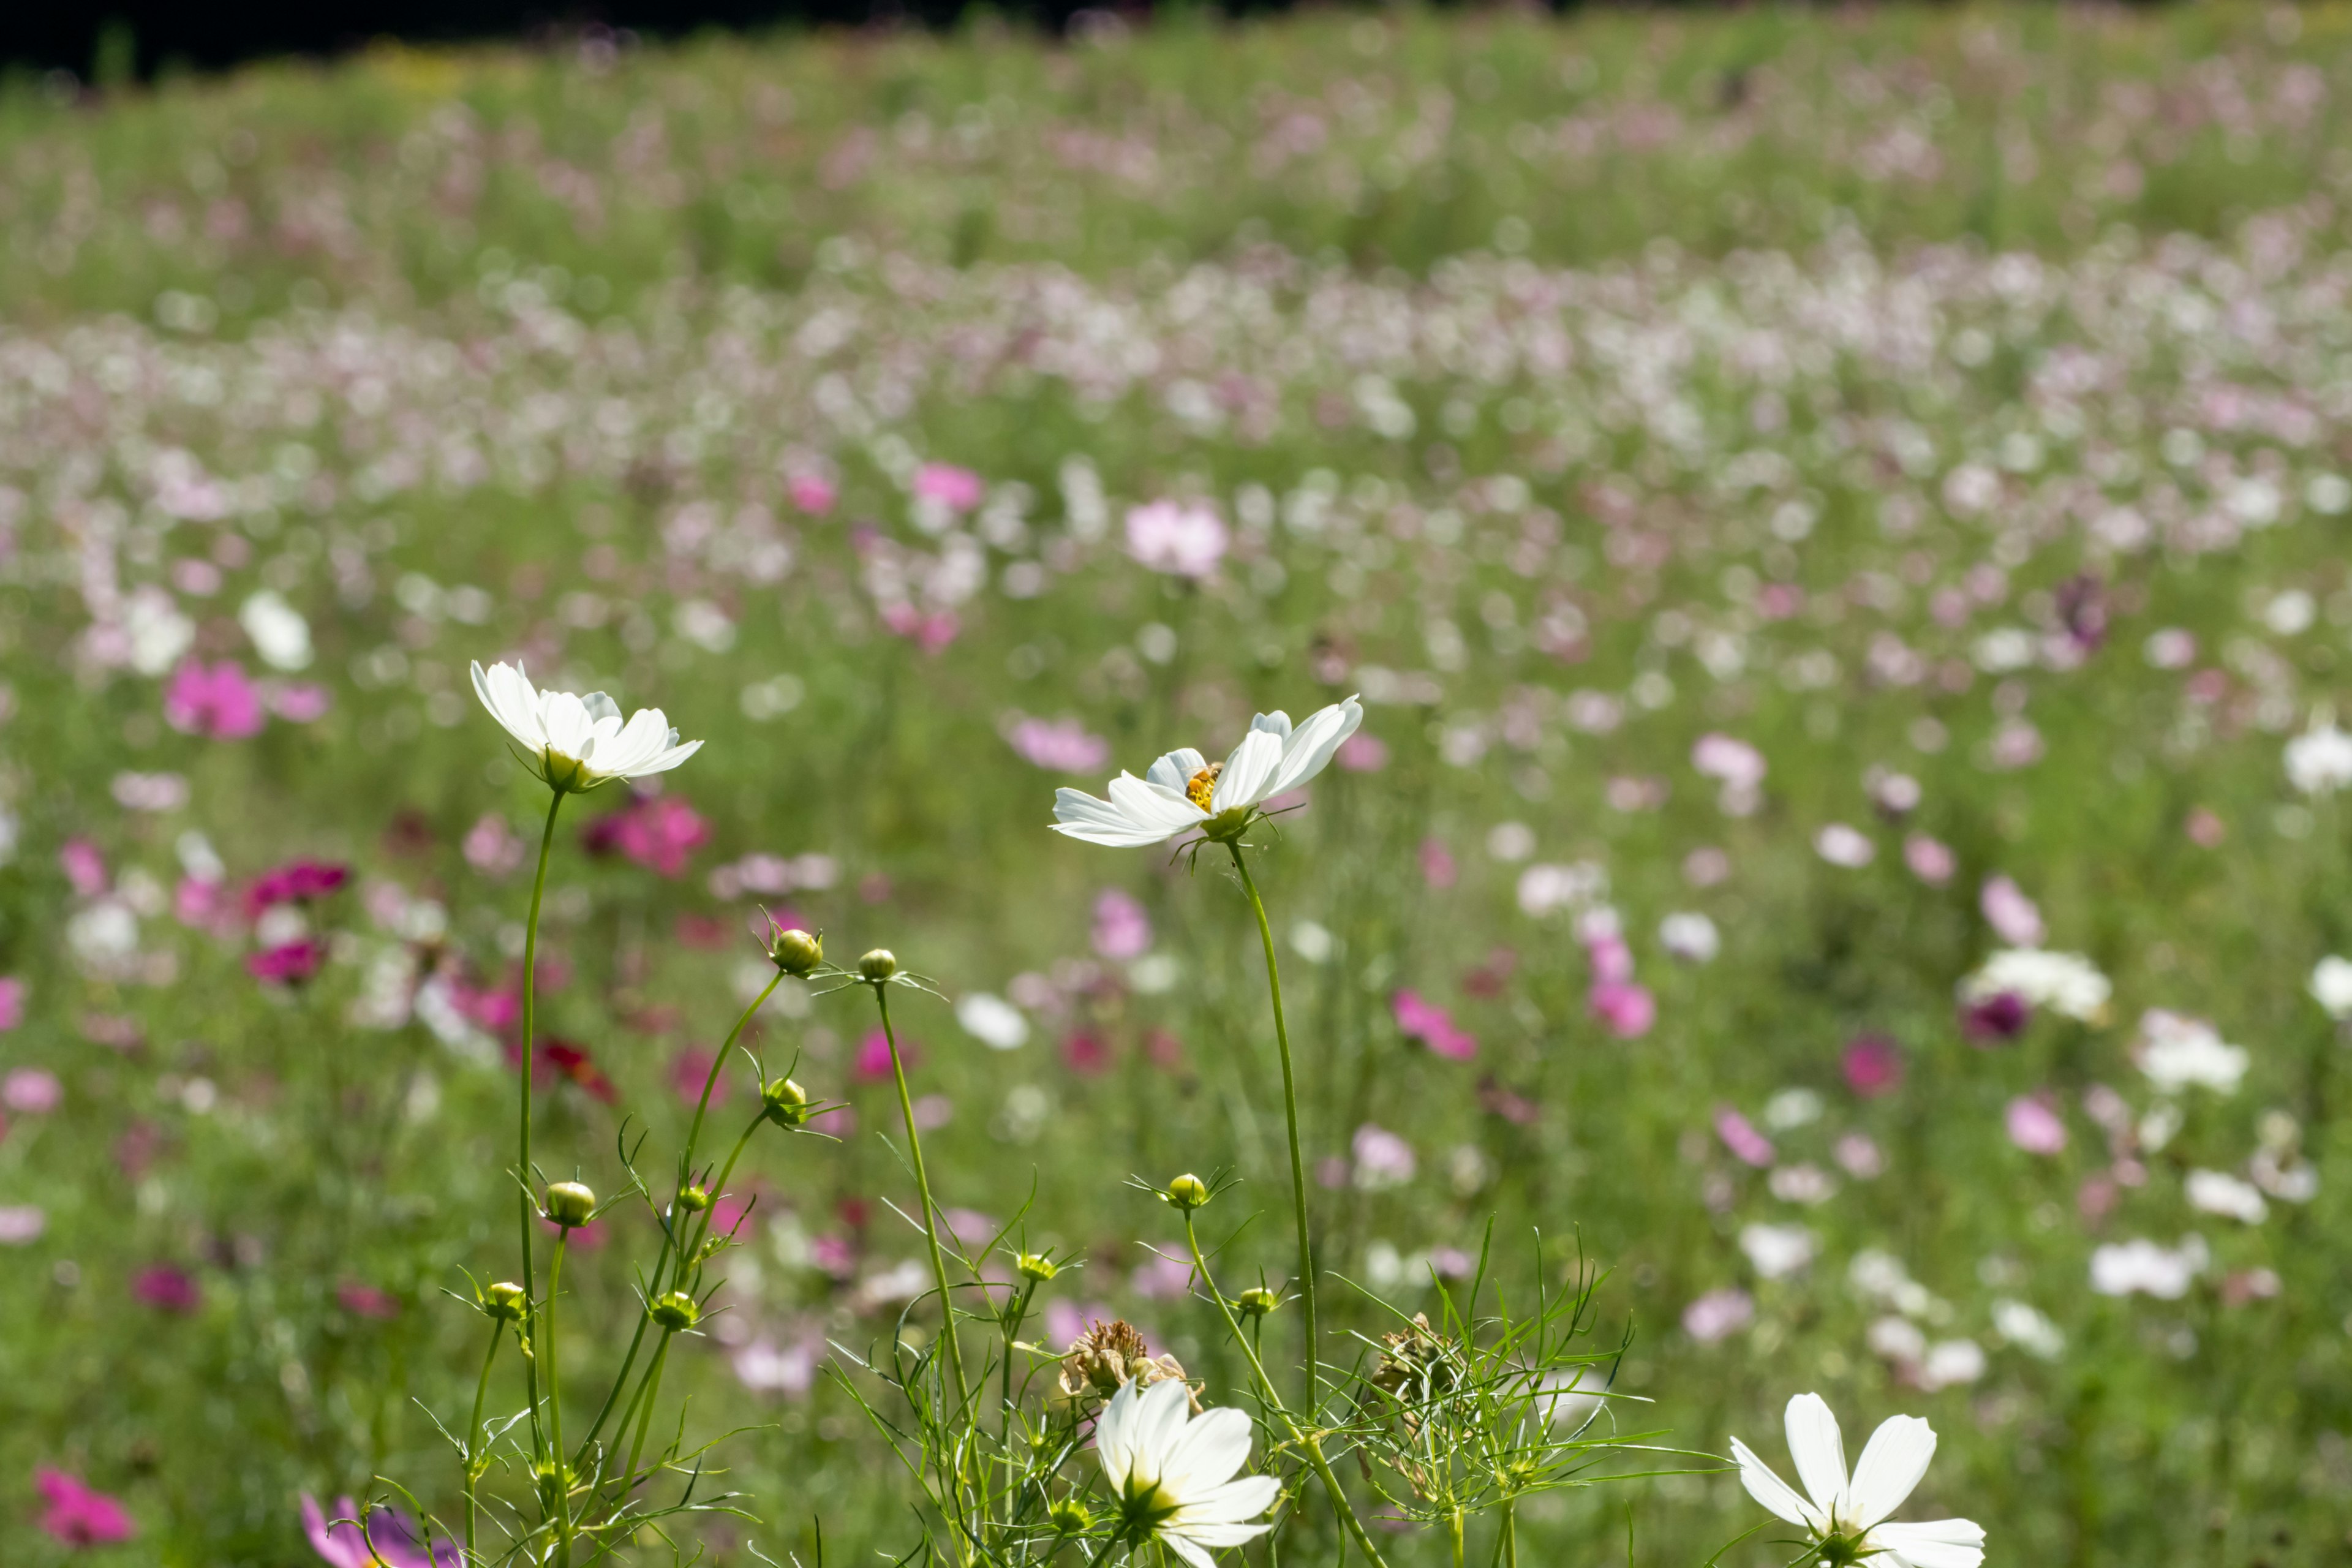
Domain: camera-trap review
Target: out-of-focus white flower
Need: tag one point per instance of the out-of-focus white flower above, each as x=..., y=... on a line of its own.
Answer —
x=1841, y=844
x=2217, y=1192
x=992, y=1021
x=157, y=630
x=1183, y=790
x=1951, y=1362
x=1847, y=1516
x=2122, y=1268
x=1542, y=889
x=1790, y=1108
x=578, y=742
x=280, y=636
x=1171, y=1474
x=1898, y=1339
x=2319, y=761
x=2026, y=1329
x=2177, y=1052
x=1777, y=1251
x=1690, y=936
x=2331, y=986
x=2064, y=983
x=1802, y=1183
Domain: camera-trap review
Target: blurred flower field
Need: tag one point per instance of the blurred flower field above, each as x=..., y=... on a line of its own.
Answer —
x=1839, y=524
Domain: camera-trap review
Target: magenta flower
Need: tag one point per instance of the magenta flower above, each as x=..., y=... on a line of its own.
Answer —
x=1418, y=1018
x=1121, y=930
x=689, y=1070
x=168, y=1289
x=1060, y=746
x=811, y=493
x=658, y=833
x=388, y=1540
x=296, y=882
x=958, y=490
x=1183, y=539
x=367, y=1300
x=215, y=701
x=79, y=1516
x=2034, y=1124
x=1998, y=1018
x=1873, y=1065
x=289, y=964
x=1085, y=1051
x=84, y=866
x=1625, y=1010
x=873, y=1064
x=1740, y=1135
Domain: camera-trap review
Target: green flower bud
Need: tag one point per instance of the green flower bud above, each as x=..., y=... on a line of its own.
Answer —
x=1069, y=1515
x=1188, y=1192
x=1037, y=1266
x=504, y=1300
x=795, y=951
x=569, y=1204
x=785, y=1103
x=1256, y=1302
x=694, y=1200
x=674, y=1311
x=878, y=965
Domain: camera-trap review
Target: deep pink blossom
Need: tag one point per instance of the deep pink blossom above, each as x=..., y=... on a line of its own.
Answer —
x=1086, y=1052
x=1625, y=1010
x=167, y=1288
x=689, y=1070
x=77, y=1514
x=1873, y=1065
x=1740, y=1135
x=1995, y=1019
x=215, y=701
x=658, y=832
x=957, y=489
x=367, y=1300
x=873, y=1064
x=811, y=493
x=389, y=1537
x=1418, y=1018
x=289, y=964
x=296, y=881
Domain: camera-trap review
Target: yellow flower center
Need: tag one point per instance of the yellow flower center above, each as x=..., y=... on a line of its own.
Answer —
x=1200, y=786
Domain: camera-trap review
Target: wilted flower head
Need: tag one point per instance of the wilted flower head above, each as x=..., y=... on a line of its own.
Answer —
x=1183, y=790
x=578, y=742
x=1108, y=1356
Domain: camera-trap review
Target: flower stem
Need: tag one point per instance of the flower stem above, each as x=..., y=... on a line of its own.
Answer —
x=525, y=1210
x=1454, y=1535
x=555, y=1403
x=923, y=1188
x=645, y=1416
x=1290, y=1116
x=474, y=1455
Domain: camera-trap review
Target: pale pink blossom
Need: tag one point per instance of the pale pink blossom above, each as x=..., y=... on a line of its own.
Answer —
x=1183, y=539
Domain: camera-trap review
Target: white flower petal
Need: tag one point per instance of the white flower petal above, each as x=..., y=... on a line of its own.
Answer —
x=1225, y=1534
x=1191, y=1553
x=1213, y=1446
x=1080, y=815
x=1115, y=1436
x=1819, y=1452
x=1935, y=1544
x=601, y=707
x=1309, y=750
x=1277, y=723
x=1151, y=805
x=1891, y=1464
x=668, y=759
x=1232, y=1502
x=1247, y=772
x=1777, y=1496
x=1175, y=770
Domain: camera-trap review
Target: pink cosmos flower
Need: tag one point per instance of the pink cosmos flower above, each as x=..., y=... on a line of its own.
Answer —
x=1086, y=1052
x=1873, y=1065
x=930, y=633
x=811, y=493
x=201, y=903
x=12, y=1003
x=1121, y=930
x=1058, y=745
x=1625, y=1010
x=1997, y=1018
x=1162, y=1278
x=2034, y=1124
x=492, y=847
x=31, y=1092
x=172, y=1290
x=299, y=702
x=215, y=701
x=367, y=1300
x=689, y=1070
x=658, y=832
x=1717, y=1314
x=958, y=490
x=1382, y=1159
x=388, y=1537
x=1740, y=1135
x=873, y=1063
x=1418, y=1018
x=296, y=881
x=78, y=1515
x=1929, y=860
x=1361, y=752
x=290, y=964
x=1611, y=960
x=1437, y=864
x=1184, y=538
x=84, y=866
x=2011, y=913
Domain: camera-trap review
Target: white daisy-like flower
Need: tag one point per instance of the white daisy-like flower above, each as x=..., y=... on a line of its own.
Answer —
x=1183, y=790
x=578, y=742
x=1847, y=1517
x=2319, y=761
x=1171, y=1473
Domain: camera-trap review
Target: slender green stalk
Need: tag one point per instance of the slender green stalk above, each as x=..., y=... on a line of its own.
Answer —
x=1308, y=1441
x=1290, y=1118
x=525, y=1210
x=474, y=1455
x=923, y=1188
x=650, y=1392
x=1453, y=1536
x=563, y=1483
x=1511, y=1535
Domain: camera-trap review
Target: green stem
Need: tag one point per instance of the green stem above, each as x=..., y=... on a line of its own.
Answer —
x=923, y=1189
x=651, y=1392
x=1308, y=1441
x=562, y=1482
x=1511, y=1535
x=1454, y=1535
x=525, y=1210
x=474, y=1455
x=1290, y=1117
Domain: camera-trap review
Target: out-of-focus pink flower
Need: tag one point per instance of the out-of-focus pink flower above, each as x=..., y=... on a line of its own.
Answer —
x=1437, y=864
x=1121, y=930
x=1860, y=1157
x=1084, y=1051
x=1184, y=538
x=1382, y=1159
x=1873, y=1065
x=1740, y=1135
x=31, y=1092
x=2205, y=829
x=299, y=702
x=290, y=963
x=1929, y=861
x=84, y=866
x=21, y=1225
x=930, y=633
x=1625, y=1010
x=1361, y=752
x=12, y=1003
x=2034, y=1124
x=690, y=1069
x=1058, y=745
x=957, y=489
x=765, y=1367
x=811, y=493
x=296, y=881
x=202, y=904
x=216, y=701
x=1844, y=845
x=77, y=1514
x=658, y=832
x=1611, y=960
x=367, y=1300
x=1162, y=1278
x=1418, y=1018
x=873, y=1063
x=2011, y=913
x=170, y=1288
x=834, y=1254
x=1718, y=1314
x=492, y=847
x=1995, y=1019
x=388, y=1537
x=1737, y=765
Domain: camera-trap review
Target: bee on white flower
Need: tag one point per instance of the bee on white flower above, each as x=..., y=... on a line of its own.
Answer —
x=574, y=743
x=1171, y=1473
x=1184, y=791
x=1847, y=1517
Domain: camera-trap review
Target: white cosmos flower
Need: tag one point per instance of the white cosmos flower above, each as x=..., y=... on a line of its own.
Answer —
x=578, y=742
x=1183, y=790
x=1847, y=1517
x=1172, y=1472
